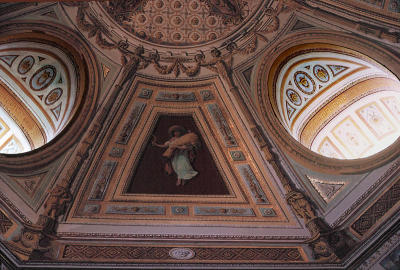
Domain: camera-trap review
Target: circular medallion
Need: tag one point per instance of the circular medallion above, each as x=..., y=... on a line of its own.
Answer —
x=321, y=73
x=212, y=36
x=194, y=5
x=159, y=35
x=26, y=64
x=159, y=4
x=159, y=20
x=141, y=19
x=195, y=36
x=194, y=21
x=304, y=82
x=176, y=21
x=176, y=36
x=177, y=5
x=53, y=96
x=181, y=253
x=294, y=97
x=43, y=78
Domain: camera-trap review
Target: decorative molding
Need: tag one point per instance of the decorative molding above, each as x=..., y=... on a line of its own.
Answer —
x=384, y=250
x=237, y=156
x=146, y=93
x=179, y=210
x=5, y=223
x=181, y=253
x=135, y=210
x=207, y=95
x=116, y=152
x=379, y=209
x=221, y=211
x=102, y=180
x=118, y=253
x=268, y=212
x=29, y=183
x=91, y=209
x=15, y=209
x=371, y=189
x=131, y=122
x=328, y=190
x=176, y=96
x=253, y=184
x=223, y=126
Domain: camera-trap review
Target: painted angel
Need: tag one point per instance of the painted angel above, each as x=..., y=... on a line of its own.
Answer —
x=180, y=153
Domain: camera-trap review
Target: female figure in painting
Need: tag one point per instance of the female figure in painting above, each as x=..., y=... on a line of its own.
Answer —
x=180, y=153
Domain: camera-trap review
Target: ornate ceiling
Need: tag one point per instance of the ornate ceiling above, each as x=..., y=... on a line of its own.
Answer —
x=41, y=80
x=181, y=23
x=199, y=134
x=320, y=96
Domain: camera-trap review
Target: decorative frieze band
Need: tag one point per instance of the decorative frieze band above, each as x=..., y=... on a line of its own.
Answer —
x=374, y=213
x=146, y=93
x=138, y=253
x=252, y=183
x=237, y=156
x=221, y=211
x=135, y=210
x=131, y=122
x=102, y=180
x=176, y=96
x=5, y=223
x=207, y=95
x=222, y=124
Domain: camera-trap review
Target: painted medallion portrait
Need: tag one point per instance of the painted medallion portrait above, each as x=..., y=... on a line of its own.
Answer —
x=176, y=160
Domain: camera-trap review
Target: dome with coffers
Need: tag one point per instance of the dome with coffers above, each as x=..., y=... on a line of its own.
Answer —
x=181, y=22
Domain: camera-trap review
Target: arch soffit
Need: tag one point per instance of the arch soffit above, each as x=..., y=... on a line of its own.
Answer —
x=85, y=63
x=266, y=70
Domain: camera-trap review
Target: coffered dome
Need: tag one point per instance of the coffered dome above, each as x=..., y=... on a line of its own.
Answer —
x=181, y=23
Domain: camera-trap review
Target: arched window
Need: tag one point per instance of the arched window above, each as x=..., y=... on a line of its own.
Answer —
x=331, y=101
x=338, y=105
x=49, y=85
x=38, y=90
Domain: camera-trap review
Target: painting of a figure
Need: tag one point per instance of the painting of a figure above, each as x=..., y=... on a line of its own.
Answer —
x=181, y=148
x=176, y=161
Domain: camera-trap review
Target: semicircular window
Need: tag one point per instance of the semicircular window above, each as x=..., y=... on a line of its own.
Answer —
x=37, y=95
x=339, y=105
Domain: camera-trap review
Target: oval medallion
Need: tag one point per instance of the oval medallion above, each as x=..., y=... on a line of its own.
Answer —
x=53, y=96
x=321, y=73
x=43, y=78
x=181, y=253
x=304, y=82
x=26, y=64
x=294, y=97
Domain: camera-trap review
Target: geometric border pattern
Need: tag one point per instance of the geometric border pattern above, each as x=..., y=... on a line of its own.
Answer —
x=377, y=210
x=111, y=253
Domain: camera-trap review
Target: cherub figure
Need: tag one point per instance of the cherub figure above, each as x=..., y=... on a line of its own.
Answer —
x=180, y=153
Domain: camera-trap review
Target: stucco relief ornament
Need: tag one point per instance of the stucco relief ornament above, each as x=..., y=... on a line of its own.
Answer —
x=231, y=11
x=178, y=65
x=181, y=253
x=132, y=61
x=221, y=65
x=122, y=10
x=54, y=207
